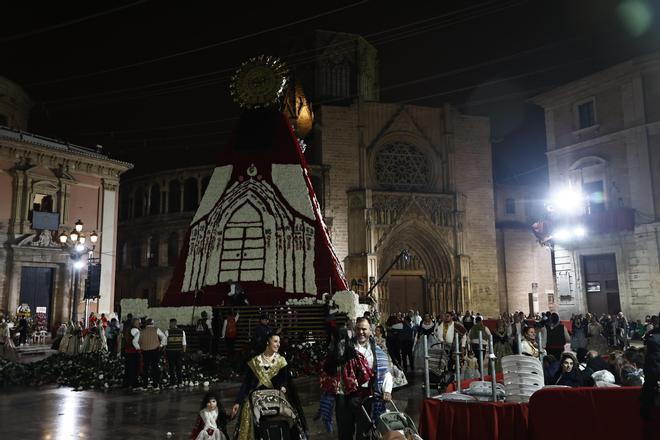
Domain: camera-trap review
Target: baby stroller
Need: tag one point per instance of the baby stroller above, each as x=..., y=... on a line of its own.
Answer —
x=274, y=417
x=440, y=374
x=389, y=421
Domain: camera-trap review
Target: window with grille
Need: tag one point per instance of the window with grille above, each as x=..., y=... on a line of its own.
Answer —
x=401, y=166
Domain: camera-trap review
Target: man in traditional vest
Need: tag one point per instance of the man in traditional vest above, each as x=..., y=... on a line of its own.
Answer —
x=230, y=331
x=152, y=340
x=351, y=422
x=175, y=346
x=131, y=343
x=557, y=337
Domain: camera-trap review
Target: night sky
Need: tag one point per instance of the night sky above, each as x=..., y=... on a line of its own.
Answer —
x=148, y=80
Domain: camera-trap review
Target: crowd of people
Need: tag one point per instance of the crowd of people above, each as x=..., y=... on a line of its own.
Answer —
x=596, y=351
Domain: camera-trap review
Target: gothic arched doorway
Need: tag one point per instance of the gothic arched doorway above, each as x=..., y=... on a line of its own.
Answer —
x=424, y=281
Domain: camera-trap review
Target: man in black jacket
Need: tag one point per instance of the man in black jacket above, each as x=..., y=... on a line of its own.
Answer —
x=650, y=391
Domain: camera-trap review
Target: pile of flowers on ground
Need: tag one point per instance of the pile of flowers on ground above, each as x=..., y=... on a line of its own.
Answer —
x=11, y=373
x=104, y=371
x=305, y=358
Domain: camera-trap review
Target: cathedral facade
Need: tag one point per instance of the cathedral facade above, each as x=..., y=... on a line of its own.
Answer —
x=402, y=177
x=389, y=178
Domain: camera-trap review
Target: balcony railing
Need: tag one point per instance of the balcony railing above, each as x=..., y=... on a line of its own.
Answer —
x=611, y=220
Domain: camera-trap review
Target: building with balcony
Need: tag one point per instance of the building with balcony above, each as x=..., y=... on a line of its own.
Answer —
x=46, y=186
x=603, y=149
x=524, y=266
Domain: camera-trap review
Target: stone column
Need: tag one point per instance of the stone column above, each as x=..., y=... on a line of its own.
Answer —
x=107, y=244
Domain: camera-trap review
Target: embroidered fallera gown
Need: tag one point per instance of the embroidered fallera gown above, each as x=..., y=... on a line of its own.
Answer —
x=262, y=374
x=418, y=352
x=207, y=426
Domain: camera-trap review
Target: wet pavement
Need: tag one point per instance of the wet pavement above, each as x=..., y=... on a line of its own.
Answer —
x=60, y=413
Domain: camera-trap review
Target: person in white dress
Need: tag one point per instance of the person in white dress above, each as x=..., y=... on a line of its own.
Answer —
x=211, y=421
x=7, y=348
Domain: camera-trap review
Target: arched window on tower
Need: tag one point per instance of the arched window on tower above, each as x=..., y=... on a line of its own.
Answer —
x=124, y=207
x=138, y=203
x=136, y=254
x=205, y=184
x=152, y=256
x=190, y=194
x=154, y=200
x=174, y=197
x=172, y=249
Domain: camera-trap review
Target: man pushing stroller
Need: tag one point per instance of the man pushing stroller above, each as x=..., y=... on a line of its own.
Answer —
x=354, y=370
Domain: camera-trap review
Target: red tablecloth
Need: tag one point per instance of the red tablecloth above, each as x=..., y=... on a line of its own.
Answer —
x=484, y=420
x=589, y=413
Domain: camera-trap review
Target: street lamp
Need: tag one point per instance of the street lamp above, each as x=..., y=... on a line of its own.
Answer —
x=75, y=242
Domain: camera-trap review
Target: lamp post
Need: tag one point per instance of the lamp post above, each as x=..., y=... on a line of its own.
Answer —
x=75, y=242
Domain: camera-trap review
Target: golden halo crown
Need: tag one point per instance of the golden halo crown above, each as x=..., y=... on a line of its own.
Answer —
x=259, y=82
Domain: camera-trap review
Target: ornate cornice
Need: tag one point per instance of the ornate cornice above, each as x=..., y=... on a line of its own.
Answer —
x=29, y=150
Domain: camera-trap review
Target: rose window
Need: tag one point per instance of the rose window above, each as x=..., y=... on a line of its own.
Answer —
x=401, y=166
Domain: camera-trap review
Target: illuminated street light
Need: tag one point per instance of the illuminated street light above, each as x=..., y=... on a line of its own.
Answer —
x=579, y=231
x=75, y=242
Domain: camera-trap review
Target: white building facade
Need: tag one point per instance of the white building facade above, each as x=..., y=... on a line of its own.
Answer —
x=603, y=143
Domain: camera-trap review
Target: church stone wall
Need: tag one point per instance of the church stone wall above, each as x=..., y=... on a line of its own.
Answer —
x=475, y=182
x=340, y=152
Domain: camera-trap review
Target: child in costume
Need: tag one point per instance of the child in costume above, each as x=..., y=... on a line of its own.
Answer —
x=211, y=421
x=471, y=366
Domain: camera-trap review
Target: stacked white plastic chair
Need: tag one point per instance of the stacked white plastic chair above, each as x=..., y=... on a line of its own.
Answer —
x=523, y=376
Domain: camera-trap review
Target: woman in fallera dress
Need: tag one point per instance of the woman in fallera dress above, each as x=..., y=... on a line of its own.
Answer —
x=426, y=328
x=268, y=370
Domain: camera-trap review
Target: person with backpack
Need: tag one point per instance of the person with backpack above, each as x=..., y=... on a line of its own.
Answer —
x=230, y=331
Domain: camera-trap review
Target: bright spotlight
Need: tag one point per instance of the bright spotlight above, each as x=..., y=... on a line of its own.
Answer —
x=80, y=247
x=579, y=231
x=562, y=234
x=568, y=201
x=78, y=264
